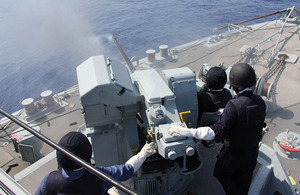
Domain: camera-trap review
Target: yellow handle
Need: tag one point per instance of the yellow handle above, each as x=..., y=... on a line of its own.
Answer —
x=182, y=113
x=149, y=133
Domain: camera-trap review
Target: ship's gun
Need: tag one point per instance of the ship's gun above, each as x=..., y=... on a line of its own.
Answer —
x=121, y=108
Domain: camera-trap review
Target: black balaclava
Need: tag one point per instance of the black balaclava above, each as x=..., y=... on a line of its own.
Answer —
x=78, y=144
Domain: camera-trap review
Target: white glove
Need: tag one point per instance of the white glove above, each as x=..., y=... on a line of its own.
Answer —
x=205, y=133
x=148, y=149
x=137, y=160
x=178, y=131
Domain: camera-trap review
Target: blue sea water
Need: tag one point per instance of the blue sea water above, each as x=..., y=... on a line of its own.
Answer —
x=42, y=42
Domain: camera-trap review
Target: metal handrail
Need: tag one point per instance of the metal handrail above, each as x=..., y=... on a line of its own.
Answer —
x=274, y=53
x=70, y=155
x=252, y=19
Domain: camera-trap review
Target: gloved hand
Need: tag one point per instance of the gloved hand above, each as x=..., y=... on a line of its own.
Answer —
x=178, y=131
x=202, y=133
x=137, y=160
x=148, y=149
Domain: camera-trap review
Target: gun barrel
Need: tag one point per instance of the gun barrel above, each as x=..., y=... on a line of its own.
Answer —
x=128, y=62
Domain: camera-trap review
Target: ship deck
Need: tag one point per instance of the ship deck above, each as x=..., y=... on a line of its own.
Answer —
x=283, y=107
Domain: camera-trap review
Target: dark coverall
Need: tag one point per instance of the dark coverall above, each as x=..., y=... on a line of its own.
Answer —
x=82, y=181
x=211, y=101
x=240, y=128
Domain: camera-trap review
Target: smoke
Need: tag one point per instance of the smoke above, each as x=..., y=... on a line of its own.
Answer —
x=41, y=43
x=39, y=30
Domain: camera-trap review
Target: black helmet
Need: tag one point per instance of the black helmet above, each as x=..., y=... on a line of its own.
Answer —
x=216, y=78
x=242, y=75
x=78, y=144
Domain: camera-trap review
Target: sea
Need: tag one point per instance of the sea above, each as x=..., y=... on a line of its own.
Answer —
x=42, y=42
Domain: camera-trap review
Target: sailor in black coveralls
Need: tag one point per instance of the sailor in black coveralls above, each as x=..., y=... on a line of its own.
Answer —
x=239, y=128
x=213, y=95
x=71, y=178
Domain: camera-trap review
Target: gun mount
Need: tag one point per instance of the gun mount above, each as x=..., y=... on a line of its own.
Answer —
x=122, y=110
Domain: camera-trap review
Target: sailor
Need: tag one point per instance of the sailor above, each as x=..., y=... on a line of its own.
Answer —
x=73, y=179
x=239, y=128
x=213, y=95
